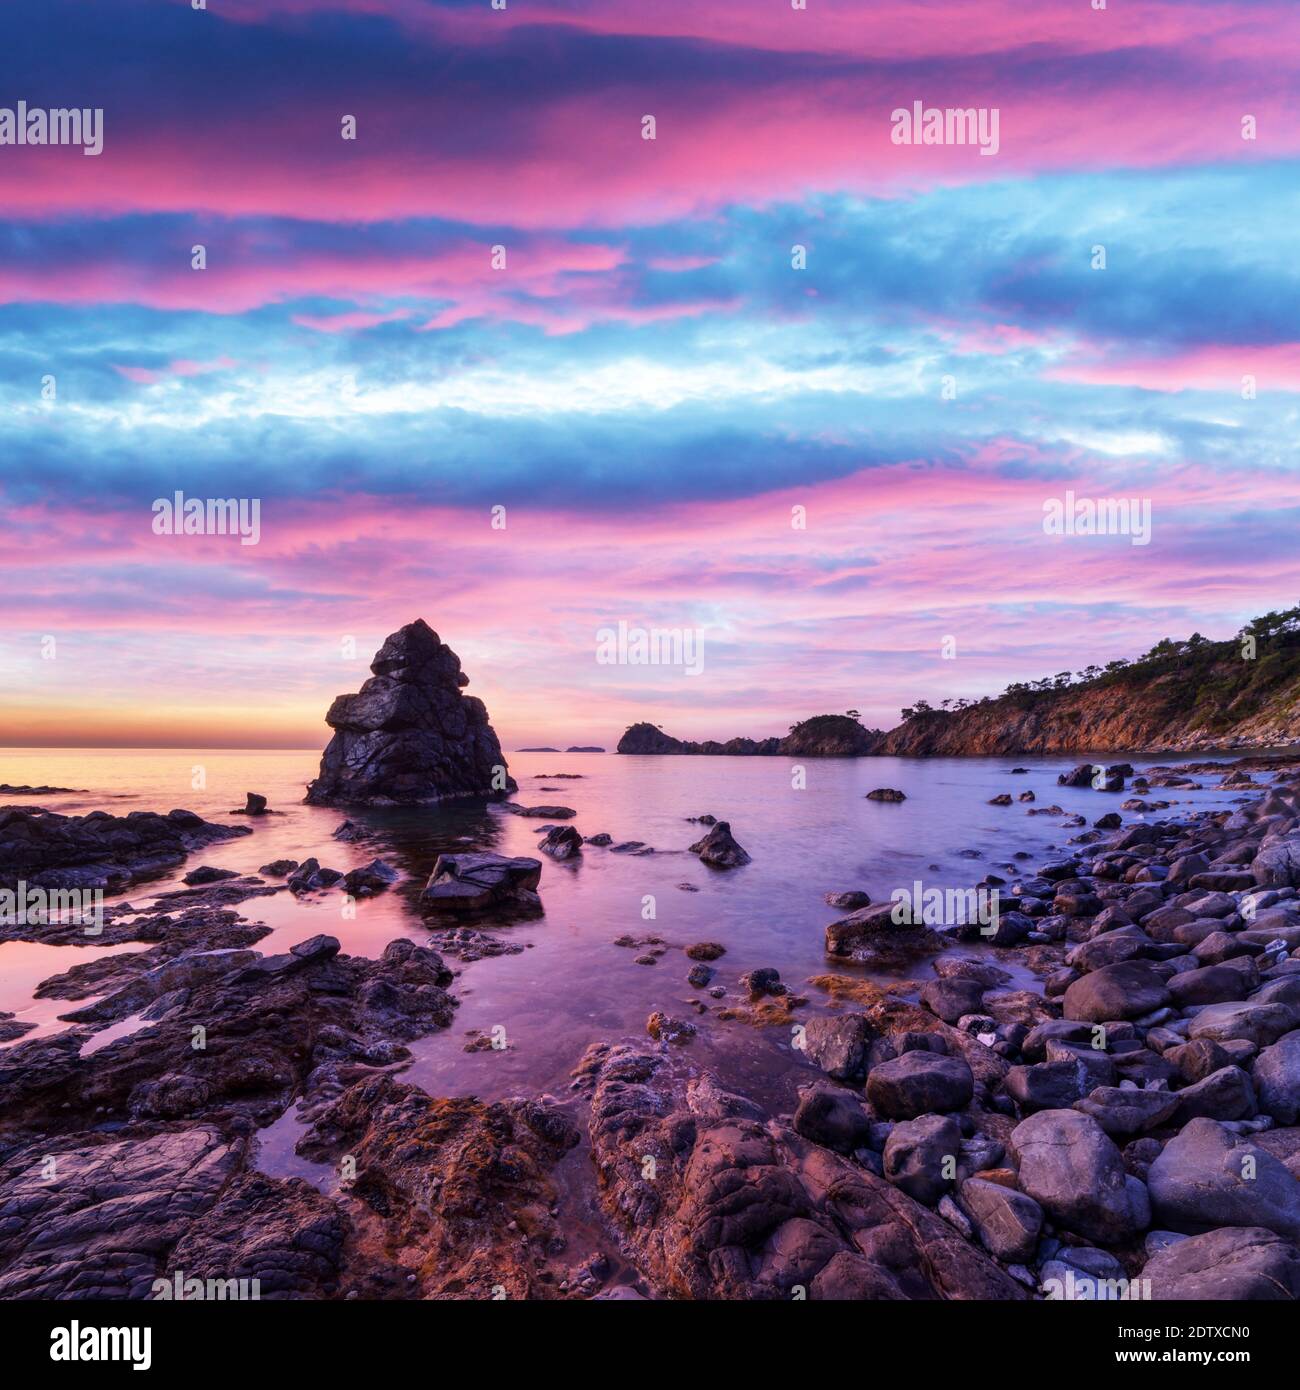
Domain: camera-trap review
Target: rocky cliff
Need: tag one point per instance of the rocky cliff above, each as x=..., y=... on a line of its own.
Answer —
x=409, y=735
x=1179, y=697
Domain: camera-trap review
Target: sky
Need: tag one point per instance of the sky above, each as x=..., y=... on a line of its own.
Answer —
x=484, y=353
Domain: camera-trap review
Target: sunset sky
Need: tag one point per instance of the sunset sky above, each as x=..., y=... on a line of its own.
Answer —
x=648, y=387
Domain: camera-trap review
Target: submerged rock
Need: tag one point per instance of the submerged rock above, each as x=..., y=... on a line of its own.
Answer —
x=409, y=735
x=886, y=794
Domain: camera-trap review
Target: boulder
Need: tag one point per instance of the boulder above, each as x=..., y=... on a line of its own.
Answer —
x=921, y=1156
x=1207, y=1177
x=1123, y=1111
x=871, y=936
x=1277, y=1079
x=832, y=1117
x=1225, y=1094
x=1211, y=984
x=561, y=842
x=886, y=794
x=1129, y=989
x=950, y=999
x=1277, y=865
x=1007, y=1222
x=1072, y=1169
x=1260, y=1024
x=919, y=1083
x=370, y=879
x=1233, y=1264
x=838, y=1045
x=410, y=735
x=475, y=882
x=719, y=849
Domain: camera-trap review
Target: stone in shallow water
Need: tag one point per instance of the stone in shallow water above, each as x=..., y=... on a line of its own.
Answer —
x=473, y=882
x=561, y=842
x=719, y=848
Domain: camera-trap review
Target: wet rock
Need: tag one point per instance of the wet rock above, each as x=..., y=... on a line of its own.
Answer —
x=463, y=1190
x=919, y=1083
x=561, y=842
x=410, y=735
x=1072, y=1169
x=762, y=981
x=254, y=805
x=476, y=882
x=118, y=1205
x=699, y=976
x=706, y=950
x=719, y=849
x=950, y=999
x=838, y=1045
x=540, y=812
x=205, y=873
x=1206, y=1177
x=278, y=868
x=886, y=794
x=280, y=1232
x=48, y=850
x=848, y=902
x=310, y=876
x=370, y=879
x=872, y=936
x=663, y=1028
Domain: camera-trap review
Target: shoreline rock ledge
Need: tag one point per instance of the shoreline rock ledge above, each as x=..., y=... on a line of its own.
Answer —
x=409, y=735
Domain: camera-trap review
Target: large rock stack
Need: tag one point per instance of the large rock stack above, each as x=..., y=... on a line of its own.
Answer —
x=409, y=735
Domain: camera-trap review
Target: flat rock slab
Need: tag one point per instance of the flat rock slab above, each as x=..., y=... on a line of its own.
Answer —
x=473, y=882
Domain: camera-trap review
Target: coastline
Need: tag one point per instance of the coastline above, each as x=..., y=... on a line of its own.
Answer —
x=963, y=1048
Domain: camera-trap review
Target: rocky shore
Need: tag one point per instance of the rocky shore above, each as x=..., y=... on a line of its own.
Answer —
x=1129, y=1126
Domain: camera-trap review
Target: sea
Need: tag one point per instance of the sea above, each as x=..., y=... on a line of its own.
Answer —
x=807, y=825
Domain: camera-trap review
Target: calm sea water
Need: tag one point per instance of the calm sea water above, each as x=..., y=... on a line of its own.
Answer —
x=573, y=986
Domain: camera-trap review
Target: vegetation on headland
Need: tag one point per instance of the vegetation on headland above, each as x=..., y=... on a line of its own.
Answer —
x=1180, y=695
